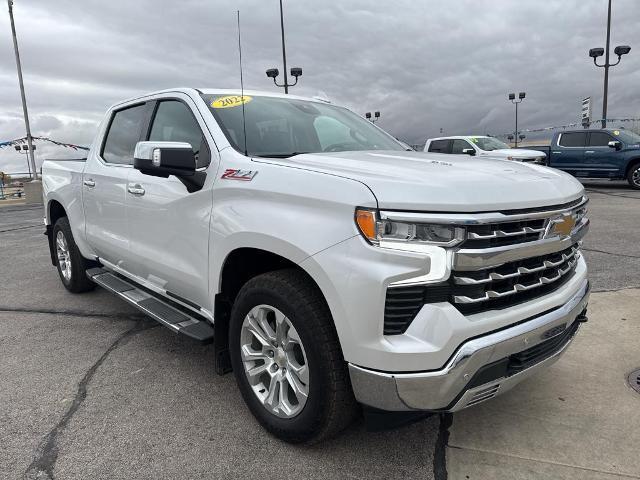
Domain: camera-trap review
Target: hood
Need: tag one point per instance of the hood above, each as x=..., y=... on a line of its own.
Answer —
x=452, y=183
x=517, y=153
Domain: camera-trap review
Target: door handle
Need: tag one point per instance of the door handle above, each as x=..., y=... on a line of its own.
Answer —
x=89, y=182
x=135, y=189
x=589, y=151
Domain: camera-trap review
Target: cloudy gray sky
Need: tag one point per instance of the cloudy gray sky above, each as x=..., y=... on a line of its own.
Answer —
x=424, y=64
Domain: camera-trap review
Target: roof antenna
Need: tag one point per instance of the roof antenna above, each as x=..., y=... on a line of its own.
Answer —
x=244, y=124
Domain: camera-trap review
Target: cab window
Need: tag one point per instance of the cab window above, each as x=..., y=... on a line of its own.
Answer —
x=459, y=145
x=599, y=139
x=174, y=122
x=123, y=134
x=439, y=146
x=573, y=139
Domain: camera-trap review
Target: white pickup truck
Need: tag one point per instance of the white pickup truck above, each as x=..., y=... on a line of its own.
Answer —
x=483, y=146
x=330, y=267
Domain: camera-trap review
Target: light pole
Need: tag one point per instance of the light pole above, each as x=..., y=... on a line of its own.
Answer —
x=376, y=116
x=512, y=97
x=26, y=149
x=24, y=100
x=274, y=72
x=598, y=52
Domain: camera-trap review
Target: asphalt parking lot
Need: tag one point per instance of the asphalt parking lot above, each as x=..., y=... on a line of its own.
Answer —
x=91, y=389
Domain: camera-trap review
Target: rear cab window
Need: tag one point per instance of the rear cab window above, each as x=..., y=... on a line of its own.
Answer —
x=439, y=146
x=573, y=139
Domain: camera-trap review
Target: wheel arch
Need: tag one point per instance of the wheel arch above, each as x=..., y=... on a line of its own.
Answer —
x=54, y=212
x=239, y=266
x=630, y=164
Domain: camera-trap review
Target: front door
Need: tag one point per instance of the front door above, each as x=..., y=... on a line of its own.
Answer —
x=599, y=157
x=168, y=225
x=104, y=184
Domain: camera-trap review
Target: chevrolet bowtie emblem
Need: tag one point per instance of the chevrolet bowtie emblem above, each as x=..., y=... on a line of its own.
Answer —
x=562, y=226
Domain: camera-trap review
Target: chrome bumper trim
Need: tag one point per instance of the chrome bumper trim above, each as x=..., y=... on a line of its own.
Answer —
x=478, y=259
x=438, y=390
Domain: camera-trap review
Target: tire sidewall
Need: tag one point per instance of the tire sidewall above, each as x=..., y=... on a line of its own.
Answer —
x=300, y=426
x=634, y=168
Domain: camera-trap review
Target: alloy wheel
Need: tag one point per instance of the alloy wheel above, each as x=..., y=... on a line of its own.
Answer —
x=64, y=257
x=275, y=361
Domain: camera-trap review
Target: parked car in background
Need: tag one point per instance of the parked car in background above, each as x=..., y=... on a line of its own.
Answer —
x=482, y=146
x=597, y=153
x=328, y=265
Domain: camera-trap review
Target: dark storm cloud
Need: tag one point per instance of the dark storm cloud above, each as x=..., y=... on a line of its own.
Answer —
x=425, y=64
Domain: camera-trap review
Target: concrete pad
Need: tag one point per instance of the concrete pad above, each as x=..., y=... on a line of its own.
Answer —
x=579, y=414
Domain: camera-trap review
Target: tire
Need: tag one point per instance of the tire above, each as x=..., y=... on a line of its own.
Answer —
x=70, y=262
x=633, y=177
x=330, y=405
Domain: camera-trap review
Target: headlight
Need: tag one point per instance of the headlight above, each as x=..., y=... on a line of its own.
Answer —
x=384, y=232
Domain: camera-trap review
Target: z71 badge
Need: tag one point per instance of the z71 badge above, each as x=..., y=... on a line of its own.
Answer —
x=236, y=174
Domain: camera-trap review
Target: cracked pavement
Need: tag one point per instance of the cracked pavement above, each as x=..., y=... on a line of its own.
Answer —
x=90, y=389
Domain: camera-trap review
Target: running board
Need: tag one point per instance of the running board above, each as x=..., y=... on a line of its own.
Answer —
x=178, y=320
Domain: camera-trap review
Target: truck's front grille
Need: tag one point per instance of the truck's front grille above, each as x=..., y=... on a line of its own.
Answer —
x=472, y=292
x=505, y=233
x=513, y=282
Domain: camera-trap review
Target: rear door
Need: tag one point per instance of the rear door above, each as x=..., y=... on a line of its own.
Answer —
x=600, y=160
x=168, y=225
x=568, y=152
x=104, y=185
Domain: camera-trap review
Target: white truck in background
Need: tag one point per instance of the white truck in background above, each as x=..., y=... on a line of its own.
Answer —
x=330, y=267
x=483, y=146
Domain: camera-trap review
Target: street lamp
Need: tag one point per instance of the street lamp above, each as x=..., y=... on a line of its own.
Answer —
x=594, y=53
x=295, y=71
x=512, y=97
x=24, y=149
x=376, y=116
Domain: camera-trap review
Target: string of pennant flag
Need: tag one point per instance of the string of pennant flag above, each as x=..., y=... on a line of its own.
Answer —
x=23, y=141
x=570, y=125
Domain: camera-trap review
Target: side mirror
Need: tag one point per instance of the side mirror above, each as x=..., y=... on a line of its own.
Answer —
x=161, y=159
x=469, y=151
x=615, y=144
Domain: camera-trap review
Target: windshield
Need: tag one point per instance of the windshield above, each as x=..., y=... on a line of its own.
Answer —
x=627, y=136
x=488, y=143
x=282, y=127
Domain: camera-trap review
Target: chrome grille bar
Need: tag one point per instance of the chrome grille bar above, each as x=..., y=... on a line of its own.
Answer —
x=519, y=287
x=492, y=276
x=502, y=233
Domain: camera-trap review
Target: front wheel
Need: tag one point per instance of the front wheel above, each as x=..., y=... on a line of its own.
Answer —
x=287, y=360
x=70, y=262
x=634, y=176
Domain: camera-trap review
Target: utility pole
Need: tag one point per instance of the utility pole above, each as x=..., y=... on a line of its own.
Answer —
x=24, y=100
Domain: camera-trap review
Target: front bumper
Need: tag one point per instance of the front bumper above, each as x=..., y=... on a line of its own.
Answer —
x=478, y=370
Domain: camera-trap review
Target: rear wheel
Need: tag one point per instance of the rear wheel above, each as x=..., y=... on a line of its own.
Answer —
x=70, y=262
x=633, y=177
x=287, y=360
